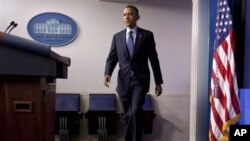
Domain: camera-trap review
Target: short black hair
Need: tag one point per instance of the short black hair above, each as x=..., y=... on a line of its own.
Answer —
x=134, y=8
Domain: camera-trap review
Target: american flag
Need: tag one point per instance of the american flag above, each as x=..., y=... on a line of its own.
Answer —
x=225, y=109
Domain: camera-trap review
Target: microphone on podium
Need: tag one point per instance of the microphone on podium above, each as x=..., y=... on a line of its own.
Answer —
x=15, y=25
x=11, y=24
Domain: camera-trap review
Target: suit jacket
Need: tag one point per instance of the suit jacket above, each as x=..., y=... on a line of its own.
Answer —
x=144, y=50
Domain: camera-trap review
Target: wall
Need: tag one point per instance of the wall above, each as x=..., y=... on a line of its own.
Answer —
x=170, y=20
x=1, y=17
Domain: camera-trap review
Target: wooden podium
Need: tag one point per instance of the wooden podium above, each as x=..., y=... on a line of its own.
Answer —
x=28, y=72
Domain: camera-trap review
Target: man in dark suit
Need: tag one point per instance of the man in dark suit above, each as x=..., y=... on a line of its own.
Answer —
x=132, y=48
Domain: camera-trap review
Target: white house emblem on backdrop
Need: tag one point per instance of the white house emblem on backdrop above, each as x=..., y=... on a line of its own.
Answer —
x=53, y=28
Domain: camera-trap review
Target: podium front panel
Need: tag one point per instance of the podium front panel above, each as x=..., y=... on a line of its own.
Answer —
x=27, y=109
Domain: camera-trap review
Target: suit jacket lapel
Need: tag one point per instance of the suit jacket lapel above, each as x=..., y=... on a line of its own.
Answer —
x=137, y=40
x=124, y=43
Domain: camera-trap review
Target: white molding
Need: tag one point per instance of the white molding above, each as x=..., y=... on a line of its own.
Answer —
x=120, y=0
x=194, y=71
x=1, y=16
x=195, y=1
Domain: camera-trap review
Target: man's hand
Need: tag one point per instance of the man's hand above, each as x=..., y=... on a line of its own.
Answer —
x=107, y=79
x=158, y=90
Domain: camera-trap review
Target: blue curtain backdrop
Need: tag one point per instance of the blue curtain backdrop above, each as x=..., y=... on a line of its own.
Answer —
x=245, y=91
x=238, y=13
x=247, y=48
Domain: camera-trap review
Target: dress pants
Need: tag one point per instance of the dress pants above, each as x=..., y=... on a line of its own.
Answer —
x=132, y=117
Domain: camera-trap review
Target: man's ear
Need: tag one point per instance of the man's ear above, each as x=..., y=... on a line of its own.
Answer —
x=138, y=17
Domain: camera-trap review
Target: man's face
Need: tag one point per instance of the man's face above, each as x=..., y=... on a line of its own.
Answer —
x=130, y=17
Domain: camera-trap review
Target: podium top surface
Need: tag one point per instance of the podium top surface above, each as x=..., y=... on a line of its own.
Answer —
x=23, y=57
x=31, y=46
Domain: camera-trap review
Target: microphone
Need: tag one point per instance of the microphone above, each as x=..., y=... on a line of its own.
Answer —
x=15, y=25
x=11, y=24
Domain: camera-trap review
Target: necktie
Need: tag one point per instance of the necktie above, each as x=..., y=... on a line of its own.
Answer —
x=130, y=43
